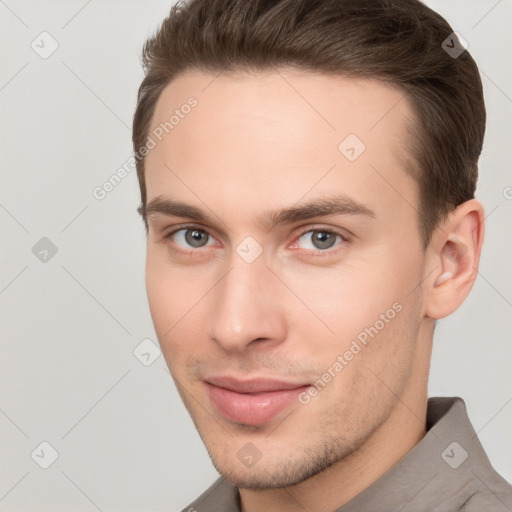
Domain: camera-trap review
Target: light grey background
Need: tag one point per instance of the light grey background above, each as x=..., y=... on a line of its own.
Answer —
x=68, y=374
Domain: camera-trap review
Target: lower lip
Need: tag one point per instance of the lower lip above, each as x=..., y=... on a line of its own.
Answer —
x=252, y=408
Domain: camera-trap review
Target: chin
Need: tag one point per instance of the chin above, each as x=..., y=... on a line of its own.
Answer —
x=276, y=473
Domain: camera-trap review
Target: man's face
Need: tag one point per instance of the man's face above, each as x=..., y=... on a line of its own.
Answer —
x=251, y=315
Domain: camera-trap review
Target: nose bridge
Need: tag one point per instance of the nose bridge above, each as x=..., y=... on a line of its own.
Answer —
x=246, y=306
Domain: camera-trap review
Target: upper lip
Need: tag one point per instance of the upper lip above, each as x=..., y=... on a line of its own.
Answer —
x=253, y=385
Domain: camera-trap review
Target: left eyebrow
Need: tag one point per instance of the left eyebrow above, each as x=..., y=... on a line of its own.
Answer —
x=335, y=205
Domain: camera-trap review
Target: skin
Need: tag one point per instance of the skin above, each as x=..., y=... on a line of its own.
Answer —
x=266, y=141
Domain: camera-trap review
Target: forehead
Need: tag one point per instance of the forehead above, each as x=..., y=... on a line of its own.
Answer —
x=286, y=132
x=307, y=103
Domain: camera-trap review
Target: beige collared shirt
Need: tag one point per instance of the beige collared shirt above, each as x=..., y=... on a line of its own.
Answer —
x=447, y=471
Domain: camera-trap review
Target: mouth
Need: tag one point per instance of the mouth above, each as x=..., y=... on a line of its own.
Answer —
x=252, y=401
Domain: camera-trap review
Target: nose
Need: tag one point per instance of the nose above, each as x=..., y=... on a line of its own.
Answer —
x=248, y=307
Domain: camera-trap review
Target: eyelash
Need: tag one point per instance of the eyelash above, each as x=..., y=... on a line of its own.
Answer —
x=309, y=253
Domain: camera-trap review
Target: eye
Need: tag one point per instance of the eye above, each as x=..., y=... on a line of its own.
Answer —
x=190, y=237
x=319, y=239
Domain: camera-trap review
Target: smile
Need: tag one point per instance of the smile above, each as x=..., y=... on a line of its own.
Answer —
x=252, y=402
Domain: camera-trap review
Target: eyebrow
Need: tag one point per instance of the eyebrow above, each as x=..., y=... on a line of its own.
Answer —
x=333, y=205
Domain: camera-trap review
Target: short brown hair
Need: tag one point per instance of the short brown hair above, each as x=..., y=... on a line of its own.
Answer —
x=397, y=41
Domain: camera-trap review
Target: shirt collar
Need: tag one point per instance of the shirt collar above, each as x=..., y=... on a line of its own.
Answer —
x=440, y=469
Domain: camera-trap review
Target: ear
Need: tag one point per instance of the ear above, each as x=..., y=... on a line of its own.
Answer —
x=454, y=253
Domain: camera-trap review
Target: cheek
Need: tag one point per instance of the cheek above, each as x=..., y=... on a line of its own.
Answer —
x=369, y=307
x=167, y=295
x=331, y=305
x=177, y=297
x=159, y=289
x=370, y=374
x=346, y=298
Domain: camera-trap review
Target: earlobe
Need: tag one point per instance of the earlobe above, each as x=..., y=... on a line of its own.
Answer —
x=455, y=255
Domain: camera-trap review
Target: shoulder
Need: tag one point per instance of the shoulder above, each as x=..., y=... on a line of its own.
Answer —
x=471, y=482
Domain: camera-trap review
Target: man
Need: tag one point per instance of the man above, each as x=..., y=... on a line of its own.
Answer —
x=307, y=174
